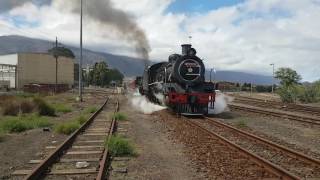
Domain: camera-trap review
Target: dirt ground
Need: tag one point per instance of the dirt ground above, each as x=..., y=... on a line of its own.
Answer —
x=18, y=149
x=158, y=156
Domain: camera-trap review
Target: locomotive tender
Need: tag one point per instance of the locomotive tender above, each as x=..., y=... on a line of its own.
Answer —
x=179, y=83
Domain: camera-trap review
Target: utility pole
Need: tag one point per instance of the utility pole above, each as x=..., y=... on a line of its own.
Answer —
x=80, y=63
x=210, y=74
x=56, y=56
x=272, y=77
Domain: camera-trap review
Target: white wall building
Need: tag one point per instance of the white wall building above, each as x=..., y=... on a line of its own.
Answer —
x=35, y=68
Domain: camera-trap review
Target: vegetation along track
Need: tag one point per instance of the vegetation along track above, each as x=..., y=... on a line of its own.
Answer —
x=313, y=111
x=281, y=114
x=232, y=160
x=86, y=146
x=292, y=161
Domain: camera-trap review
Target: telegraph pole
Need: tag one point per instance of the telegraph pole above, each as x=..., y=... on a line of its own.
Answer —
x=210, y=74
x=272, y=77
x=80, y=63
x=56, y=56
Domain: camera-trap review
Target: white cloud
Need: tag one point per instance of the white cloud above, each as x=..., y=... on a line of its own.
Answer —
x=244, y=37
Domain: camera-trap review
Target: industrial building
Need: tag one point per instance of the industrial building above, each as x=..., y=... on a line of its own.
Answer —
x=19, y=70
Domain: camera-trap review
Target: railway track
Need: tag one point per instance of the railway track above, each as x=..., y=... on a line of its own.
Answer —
x=298, y=164
x=247, y=161
x=278, y=105
x=276, y=113
x=84, y=146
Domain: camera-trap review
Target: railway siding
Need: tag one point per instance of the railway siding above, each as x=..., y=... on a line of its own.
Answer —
x=277, y=113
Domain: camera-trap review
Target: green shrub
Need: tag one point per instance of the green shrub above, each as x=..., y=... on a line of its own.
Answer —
x=10, y=108
x=67, y=128
x=91, y=110
x=120, y=116
x=62, y=108
x=22, y=123
x=119, y=146
x=44, y=108
x=289, y=94
x=309, y=93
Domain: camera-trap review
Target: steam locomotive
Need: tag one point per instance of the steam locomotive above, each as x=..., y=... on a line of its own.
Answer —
x=179, y=83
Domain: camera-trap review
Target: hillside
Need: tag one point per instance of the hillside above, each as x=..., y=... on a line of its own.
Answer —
x=128, y=65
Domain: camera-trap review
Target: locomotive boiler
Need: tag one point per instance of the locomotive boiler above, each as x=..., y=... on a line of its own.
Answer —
x=179, y=83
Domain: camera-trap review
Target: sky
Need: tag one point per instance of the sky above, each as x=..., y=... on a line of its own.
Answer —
x=237, y=35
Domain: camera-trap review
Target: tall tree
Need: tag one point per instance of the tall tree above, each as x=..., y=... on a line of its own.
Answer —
x=287, y=76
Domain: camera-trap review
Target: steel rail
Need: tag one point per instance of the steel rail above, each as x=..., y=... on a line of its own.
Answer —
x=103, y=167
x=272, y=168
x=303, y=119
x=42, y=168
x=291, y=106
x=288, y=108
x=293, y=153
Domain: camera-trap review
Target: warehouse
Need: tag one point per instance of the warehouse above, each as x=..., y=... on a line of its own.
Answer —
x=19, y=70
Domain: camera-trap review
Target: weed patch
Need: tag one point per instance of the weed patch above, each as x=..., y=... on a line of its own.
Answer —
x=119, y=146
x=44, y=108
x=67, y=128
x=241, y=124
x=81, y=119
x=91, y=110
x=22, y=123
x=62, y=108
x=71, y=126
x=120, y=116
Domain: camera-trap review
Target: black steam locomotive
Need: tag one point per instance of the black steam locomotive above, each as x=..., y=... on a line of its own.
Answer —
x=179, y=83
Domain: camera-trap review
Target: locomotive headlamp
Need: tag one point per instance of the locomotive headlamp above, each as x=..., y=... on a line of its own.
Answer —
x=192, y=52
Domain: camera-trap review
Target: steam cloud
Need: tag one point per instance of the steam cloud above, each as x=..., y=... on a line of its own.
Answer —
x=221, y=104
x=142, y=104
x=104, y=13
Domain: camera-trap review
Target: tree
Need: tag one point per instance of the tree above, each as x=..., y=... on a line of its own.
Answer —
x=287, y=76
x=289, y=89
x=101, y=75
x=61, y=51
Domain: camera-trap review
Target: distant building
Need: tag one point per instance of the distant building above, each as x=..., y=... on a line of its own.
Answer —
x=18, y=70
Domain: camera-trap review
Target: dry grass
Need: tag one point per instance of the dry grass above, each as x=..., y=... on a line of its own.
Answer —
x=11, y=108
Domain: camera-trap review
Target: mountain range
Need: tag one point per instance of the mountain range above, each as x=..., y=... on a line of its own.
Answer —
x=129, y=66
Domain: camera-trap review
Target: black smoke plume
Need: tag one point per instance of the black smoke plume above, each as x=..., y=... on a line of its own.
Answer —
x=104, y=13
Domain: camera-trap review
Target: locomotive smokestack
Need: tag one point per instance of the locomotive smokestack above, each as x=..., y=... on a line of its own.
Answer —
x=185, y=48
